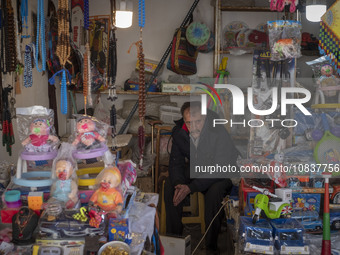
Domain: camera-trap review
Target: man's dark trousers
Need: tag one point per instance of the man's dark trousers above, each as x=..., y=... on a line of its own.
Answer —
x=213, y=198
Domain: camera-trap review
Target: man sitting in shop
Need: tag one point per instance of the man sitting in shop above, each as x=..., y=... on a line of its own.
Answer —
x=196, y=144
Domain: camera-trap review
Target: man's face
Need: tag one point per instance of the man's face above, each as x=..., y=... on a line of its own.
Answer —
x=194, y=121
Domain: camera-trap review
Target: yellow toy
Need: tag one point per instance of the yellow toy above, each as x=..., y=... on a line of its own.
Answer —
x=108, y=196
x=35, y=200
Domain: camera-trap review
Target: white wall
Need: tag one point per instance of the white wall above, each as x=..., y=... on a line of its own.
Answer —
x=162, y=18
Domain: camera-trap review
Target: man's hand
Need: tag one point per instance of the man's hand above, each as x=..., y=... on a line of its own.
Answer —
x=181, y=191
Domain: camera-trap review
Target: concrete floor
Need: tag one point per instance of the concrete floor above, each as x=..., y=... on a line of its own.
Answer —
x=225, y=242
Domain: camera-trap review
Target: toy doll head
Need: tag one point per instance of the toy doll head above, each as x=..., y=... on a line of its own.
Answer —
x=63, y=169
x=327, y=70
x=40, y=127
x=109, y=178
x=85, y=124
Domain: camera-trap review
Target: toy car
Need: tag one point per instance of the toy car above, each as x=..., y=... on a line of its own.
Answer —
x=66, y=226
x=309, y=219
x=288, y=234
x=256, y=238
x=335, y=219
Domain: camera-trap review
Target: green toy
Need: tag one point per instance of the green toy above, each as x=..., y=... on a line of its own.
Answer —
x=272, y=208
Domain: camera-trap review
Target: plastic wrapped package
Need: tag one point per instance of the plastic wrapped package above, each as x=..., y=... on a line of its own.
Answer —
x=36, y=129
x=256, y=238
x=129, y=175
x=90, y=134
x=288, y=235
x=65, y=182
x=284, y=39
x=108, y=196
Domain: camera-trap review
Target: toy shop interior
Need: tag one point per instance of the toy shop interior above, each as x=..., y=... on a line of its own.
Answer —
x=170, y=127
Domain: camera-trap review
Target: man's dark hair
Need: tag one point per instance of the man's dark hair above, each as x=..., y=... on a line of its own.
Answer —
x=187, y=105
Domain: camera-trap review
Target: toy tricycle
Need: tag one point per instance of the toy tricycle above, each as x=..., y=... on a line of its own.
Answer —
x=272, y=207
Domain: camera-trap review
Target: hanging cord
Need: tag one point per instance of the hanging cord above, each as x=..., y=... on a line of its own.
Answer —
x=40, y=37
x=28, y=79
x=112, y=58
x=10, y=51
x=85, y=76
x=86, y=15
x=142, y=92
x=24, y=19
x=65, y=74
x=7, y=128
x=63, y=50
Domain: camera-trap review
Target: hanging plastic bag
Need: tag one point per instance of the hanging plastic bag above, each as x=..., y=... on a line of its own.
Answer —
x=284, y=39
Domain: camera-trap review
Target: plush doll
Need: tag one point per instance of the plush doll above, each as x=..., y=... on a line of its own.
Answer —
x=108, y=196
x=65, y=188
x=87, y=137
x=39, y=137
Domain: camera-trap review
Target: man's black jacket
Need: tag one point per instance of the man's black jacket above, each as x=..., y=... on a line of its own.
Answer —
x=215, y=147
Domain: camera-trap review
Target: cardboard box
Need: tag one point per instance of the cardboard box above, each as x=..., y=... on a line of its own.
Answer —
x=176, y=245
x=182, y=88
x=306, y=202
x=118, y=229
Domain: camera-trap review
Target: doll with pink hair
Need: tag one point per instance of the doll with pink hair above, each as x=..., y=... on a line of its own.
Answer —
x=40, y=139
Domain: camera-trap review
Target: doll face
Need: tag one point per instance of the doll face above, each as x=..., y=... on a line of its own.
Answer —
x=39, y=128
x=109, y=180
x=63, y=169
x=327, y=70
x=85, y=125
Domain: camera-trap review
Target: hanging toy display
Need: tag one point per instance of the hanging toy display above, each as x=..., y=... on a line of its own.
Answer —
x=64, y=188
x=63, y=50
x=284, y=39
x=142, y=92
x=40, y=37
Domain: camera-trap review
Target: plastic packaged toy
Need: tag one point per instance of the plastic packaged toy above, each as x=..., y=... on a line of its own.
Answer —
x=284, y=39
x=64, y=187
x=36, y=130
x=256, y=238
x=276, y=172
x=108, y=196
x=90, y=133
x=288, y=235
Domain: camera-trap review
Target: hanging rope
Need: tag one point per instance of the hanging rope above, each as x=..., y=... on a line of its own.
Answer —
x=85, y=76
x=40, y=37
x=112, y=57
x=8, y=35
x=7, y=128
x=24, y=18
x=63, y=50
x=28, y=79
x=87, y=61
x=142, y=92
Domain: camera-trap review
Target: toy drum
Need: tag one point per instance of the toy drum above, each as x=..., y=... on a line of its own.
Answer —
x=12, y=199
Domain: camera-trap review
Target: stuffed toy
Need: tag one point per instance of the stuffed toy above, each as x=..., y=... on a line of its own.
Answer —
x=108, y=196
x=87, y=137
x=65, y=188
x=39, y=136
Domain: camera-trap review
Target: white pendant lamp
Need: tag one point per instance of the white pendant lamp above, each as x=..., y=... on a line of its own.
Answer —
x=124, y=14
x=315, y=9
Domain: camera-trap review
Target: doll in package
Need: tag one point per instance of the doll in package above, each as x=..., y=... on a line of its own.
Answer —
x=284, y=39
x=90, y=133
x=108, y=195
x=36, y=130
x=65, y=183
